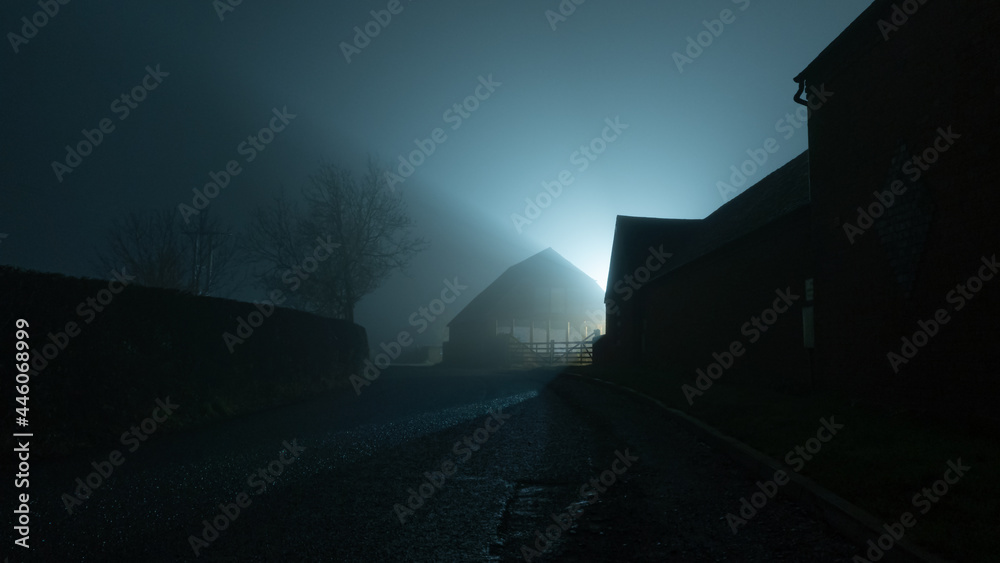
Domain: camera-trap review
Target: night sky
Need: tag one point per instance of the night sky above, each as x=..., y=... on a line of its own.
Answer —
x=658, y=131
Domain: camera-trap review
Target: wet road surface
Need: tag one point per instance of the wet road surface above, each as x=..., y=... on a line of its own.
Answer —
x=426, y=465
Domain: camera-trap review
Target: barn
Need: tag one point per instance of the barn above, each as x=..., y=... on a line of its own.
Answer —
x=865, y=264
x=719, y=273
x=541, y=311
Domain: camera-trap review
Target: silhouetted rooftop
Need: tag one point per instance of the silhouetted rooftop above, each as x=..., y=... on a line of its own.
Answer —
x=778, y=194
x=857, y=39
x=547, y=268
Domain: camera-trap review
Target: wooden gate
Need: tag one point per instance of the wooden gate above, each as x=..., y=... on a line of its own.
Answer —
x=524, y=354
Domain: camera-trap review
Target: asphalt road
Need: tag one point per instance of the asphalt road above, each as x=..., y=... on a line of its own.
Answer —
x=426, y=465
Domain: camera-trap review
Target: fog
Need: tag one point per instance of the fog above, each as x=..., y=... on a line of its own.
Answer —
x=607, y=104
x=571, y=280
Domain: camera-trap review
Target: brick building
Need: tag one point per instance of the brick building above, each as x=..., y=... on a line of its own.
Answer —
x=892, y=226
x=722, y=271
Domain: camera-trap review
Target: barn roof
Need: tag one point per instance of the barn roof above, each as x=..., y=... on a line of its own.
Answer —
x=781, y=192
x=635, y=235
x=547, y=268
x=778, y=194
x=852, y=44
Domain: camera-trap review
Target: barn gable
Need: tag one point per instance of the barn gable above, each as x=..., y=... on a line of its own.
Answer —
x=541, y=299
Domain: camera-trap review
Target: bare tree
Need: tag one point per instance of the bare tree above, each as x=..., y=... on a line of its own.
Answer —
x=153, y=247
x=366, y=222
x=274, y=243
x=213, y=251
x=150, y=247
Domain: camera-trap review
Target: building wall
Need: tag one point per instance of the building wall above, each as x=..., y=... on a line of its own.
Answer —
x=938, y=71
x=474, y=341
x=631, y=251
x=702, y=308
